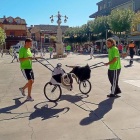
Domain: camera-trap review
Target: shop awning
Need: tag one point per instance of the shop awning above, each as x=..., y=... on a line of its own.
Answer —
x=135, y=38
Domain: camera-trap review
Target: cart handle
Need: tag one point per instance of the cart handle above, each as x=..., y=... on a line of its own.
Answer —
x=44, y=64
x=96, y=65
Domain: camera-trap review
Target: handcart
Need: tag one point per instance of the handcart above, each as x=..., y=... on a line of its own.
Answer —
x=53, y=92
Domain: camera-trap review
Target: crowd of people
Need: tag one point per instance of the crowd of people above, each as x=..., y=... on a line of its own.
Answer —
x=115, y=52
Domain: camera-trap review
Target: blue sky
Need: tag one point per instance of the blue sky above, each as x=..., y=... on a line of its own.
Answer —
x=38, y=11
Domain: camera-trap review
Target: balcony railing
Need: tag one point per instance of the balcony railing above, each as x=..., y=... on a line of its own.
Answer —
x=11, y=37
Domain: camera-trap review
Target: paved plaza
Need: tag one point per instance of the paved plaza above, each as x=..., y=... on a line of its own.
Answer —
x=75, y=116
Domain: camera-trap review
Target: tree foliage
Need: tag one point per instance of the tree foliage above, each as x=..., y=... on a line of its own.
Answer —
x=121, y=20
x=2, y=36
x=53, y=38
x=137, y=17
x=100, y=26
x=76, y=34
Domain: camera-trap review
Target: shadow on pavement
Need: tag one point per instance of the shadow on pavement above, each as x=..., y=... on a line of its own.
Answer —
x=103, y=108
x=101, y=56
x=7, y=110
x=75, y=99
x=45, y=112
x=134, y=59
x=127, y=66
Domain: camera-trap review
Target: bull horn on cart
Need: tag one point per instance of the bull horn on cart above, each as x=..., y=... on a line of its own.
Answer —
x=74, y=76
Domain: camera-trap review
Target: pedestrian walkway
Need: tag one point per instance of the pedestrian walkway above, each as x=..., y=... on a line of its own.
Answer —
x=75, y=116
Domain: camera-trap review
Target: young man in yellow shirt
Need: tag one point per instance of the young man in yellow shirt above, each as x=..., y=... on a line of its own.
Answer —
x=25, y=58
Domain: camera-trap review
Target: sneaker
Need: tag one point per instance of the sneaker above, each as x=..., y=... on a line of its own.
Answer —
x=22, y=91
x=118, y=93
x=111, y=95
x=29, y=98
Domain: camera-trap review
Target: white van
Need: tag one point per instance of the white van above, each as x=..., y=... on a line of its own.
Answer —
x=16, y=47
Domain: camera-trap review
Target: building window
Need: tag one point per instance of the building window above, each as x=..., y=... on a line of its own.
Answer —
x=101, y=7
x=46, y=38
x=33, y=36
x=18, y=21
x=108, y=3
x=10, y=20
x=104, y=6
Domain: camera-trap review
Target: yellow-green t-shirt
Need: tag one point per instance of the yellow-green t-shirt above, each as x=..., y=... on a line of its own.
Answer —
x=113, y=52
x=24, y=53
x=69, y=48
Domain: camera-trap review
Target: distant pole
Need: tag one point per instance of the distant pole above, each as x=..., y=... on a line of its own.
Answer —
x=59, y=44
x=41, y=48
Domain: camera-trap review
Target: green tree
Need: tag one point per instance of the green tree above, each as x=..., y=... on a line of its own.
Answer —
x=76, y=34
x=120, y=21
x=53, y=39
x=100, y=28
x=137, y=17
x=2, y=36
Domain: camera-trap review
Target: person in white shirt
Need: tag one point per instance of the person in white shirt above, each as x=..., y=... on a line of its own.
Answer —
x=88, y=48
x=91, y=52
x=15, y=56
x=81, y=50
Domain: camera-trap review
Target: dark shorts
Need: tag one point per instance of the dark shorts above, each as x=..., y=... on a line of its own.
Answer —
x=120, y=51
x=28, y=74
x=15, y=57
x=132, y=53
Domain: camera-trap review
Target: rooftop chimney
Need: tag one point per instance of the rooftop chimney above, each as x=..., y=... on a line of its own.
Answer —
x=4, y=16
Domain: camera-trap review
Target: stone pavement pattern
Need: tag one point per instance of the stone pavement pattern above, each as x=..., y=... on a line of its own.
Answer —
x=75, y=116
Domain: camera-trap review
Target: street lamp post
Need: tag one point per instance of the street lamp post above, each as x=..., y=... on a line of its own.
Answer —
x=59, y=44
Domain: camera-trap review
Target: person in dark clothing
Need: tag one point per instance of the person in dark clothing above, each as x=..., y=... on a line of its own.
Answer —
x=114, y=67
x=132, y=51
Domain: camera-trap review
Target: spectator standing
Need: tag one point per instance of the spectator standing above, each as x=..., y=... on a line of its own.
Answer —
x=98, y=49
x=132, y=51
x=120, y=49
x=34, y=51
x=92, y=52
x=124, y=51
x=15, y=55
x=51, y=51
x=81, y=50
x=68, y=49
